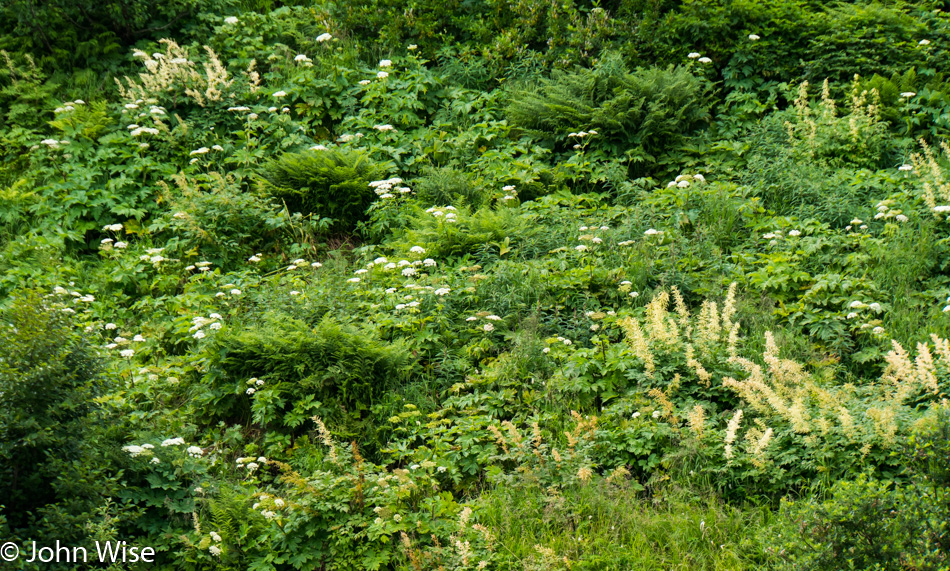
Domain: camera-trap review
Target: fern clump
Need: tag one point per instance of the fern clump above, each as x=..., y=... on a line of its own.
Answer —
x=637, y=114
x=329, y=184
x=281, y=372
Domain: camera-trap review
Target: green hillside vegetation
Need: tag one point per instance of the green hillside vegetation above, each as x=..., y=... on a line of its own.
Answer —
x=299, y=285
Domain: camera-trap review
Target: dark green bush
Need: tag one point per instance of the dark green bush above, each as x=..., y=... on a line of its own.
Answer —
x=82, y=33
x=47, y=421
x=637, y=115
x=330, y=184
x=448, y=185
x=921, y=114
x=873, y=524
x=335, y=371
x=213, y=213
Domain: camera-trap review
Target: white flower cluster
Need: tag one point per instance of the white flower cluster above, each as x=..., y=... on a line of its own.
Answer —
x=173, y=442
x=250, y=463
x=135, y=450
x=254, y=384
x=213, y=549
x=67, y=107
x=447, y=213
x=856, y=222
x=777, y=235
x=884, y=211
x=860, y=305
x=324, y=37
x=53, y=143
x=488, y=327
x=143, y=130
x=385, y=188
x=153, y=256
x=213, y=321
x=511, y=194
x=299, y=263
x=684, y=180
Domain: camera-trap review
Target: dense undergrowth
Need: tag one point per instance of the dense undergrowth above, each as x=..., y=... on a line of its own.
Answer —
x=476, y=285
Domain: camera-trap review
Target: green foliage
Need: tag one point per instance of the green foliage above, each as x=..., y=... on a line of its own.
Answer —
x=497, y=263
x=454, y=232
x=606, y=524
x=213, y=214
x=876, y=524
x=278, y=375
x=49, y=420
x=328, y=184
x=636, y=115
x=89, y=31
x=448, y=185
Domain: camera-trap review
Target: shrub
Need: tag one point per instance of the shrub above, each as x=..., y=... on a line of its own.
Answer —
x=448, y=185
x=487, y=232
x=47, y=428
x=280, y=373
x=330, y=183
x=819, y=133
x=212, y=214
x=637, y=115
x=875, y=524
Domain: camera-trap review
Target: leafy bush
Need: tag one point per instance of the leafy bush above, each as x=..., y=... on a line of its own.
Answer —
x=877, y=524
x=636, y=114
x=51, y=462
x=330, y=184
x=212, y=214
x=446, y=231
x=447, y=185
x=279, y=374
